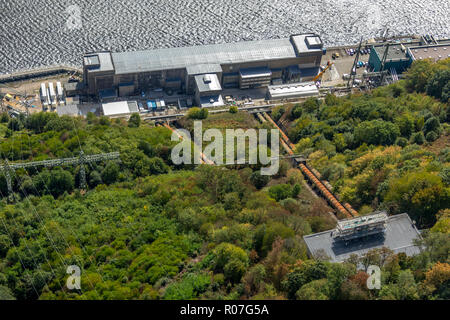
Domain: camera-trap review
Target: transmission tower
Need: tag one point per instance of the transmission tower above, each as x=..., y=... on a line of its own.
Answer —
x=9, y=168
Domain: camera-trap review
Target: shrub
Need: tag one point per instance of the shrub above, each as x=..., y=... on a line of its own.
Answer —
x=431, y=136
x=110, y=173
x=296, y=111
x=198, y=113
x=418, y=138
x=226, y=252
x=233, y=109
x=296, y=190
x=259, y=180
x=280, y=191
x=377, y=132
x=402, y=142
x=134, y=121
x=190, y=287
x=311, y=105
x=432, y=124
x=437, y=85
x=234, y=270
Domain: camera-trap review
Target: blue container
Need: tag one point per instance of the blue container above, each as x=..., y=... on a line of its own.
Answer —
x=151, y=104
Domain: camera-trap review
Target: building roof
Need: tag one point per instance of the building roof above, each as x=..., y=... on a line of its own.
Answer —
x=207, y=82
x=211, y=101
x=120, y=107
x=433, y=52
x=99, y=61
x=203, y=68
x=70, y=110
x=399, y=236
x=395, y=52
x=302, y=89
x=205, y=57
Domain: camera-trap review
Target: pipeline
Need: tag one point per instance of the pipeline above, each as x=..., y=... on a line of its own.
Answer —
x=260, y=117
x=203, y=157
x=314, y=178
x=283, y=135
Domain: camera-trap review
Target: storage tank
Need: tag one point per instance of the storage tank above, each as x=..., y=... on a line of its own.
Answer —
x=51, y=93
x=59, y=92
x=44, y=94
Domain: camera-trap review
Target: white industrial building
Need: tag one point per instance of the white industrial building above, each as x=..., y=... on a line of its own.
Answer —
x=120, y=108
x=293, y=90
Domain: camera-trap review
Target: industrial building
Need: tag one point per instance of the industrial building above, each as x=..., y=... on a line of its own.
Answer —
x=120, y=108
x=400, y=56
x=204, y=71
x=361, y=234
x=293, y=90
x=433, y=52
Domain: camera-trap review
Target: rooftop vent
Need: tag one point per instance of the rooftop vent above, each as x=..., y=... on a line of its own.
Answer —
x=206, y=78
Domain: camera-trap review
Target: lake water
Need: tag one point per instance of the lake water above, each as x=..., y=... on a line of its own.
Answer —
x=36, y=33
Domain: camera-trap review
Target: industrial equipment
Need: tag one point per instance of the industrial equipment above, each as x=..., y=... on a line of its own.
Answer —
x=329, y=64
x=359, y=227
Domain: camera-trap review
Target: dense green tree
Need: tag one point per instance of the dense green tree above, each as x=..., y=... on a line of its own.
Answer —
x=95, y=178
x=435, y=85
x=418, y=138
x=111, y=173
x=296, y=111
x=259, y=180
x=280, y=191
x=432, y=124
x=377, y=132
x=134, y=121
x=54, y=182
x=314, y=290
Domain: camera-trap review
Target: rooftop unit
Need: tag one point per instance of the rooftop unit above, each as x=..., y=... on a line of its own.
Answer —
x=44, y=94
x=59, y=90
x=354, y=228
x=51, y=93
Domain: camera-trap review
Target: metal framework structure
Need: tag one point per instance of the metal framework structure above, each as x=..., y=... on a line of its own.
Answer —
x=81, y=160
x=355, y=62
x=359, y=227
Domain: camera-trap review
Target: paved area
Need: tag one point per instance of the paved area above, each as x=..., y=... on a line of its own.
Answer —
x=342, y=65
x=399, y=236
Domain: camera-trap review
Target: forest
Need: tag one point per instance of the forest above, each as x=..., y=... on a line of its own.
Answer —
x=147, y=229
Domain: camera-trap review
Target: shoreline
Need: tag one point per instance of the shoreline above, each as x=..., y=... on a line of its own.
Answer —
x=36, y=73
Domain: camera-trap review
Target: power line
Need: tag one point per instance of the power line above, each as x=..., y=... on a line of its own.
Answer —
x=81, y=160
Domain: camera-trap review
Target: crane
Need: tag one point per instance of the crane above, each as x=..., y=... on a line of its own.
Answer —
x=329, y=64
